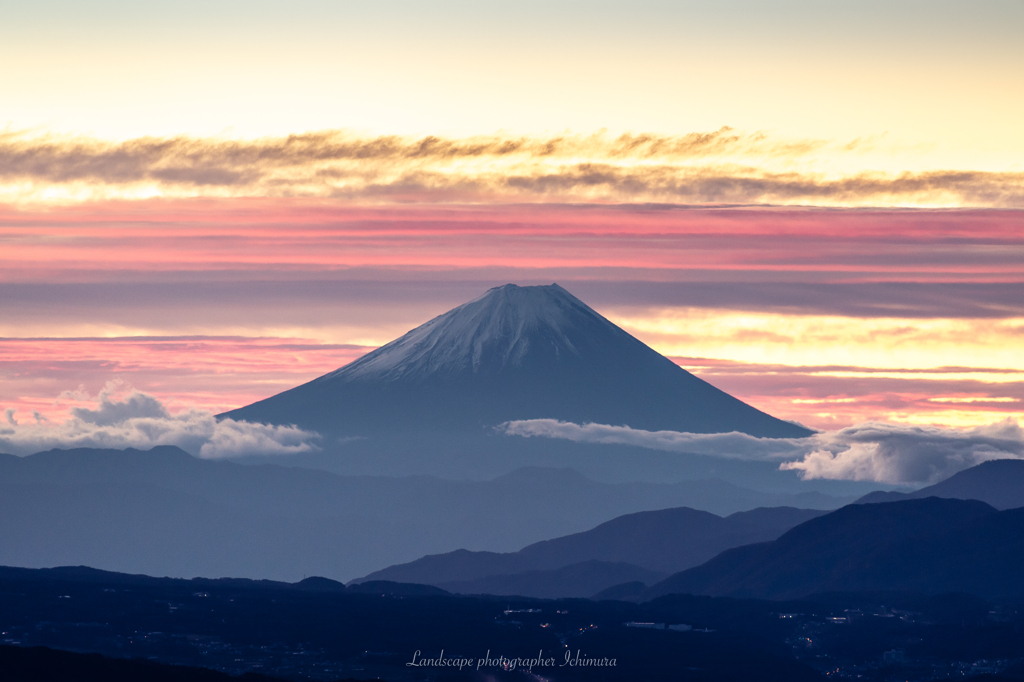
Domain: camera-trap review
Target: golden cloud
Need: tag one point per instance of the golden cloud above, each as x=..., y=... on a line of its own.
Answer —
x=720, y=167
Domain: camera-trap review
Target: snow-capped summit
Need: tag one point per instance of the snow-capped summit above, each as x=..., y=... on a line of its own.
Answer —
x=507, y=328
x=514, y=353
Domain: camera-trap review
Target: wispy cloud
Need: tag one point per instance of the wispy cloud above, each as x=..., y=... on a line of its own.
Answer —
x=215, y=161
x=881, y=452
x=141, y=421
x=723, y=166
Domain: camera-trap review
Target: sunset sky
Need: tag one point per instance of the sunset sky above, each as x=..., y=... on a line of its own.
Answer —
x=816, y=206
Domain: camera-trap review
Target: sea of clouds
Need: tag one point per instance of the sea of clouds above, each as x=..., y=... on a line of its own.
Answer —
x=138, y=420
x=873, y=451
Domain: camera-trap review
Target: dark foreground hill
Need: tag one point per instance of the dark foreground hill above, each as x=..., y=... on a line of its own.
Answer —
x=165, y=512
x=932, y=545
x=283, y=630
x=515, y=353
x=316, y=629
x=999, y=483
x=40, y=664
x=651, y=543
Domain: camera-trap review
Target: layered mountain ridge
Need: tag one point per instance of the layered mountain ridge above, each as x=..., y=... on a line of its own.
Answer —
x=656, y=542
x=165, y=512
x=931, y=546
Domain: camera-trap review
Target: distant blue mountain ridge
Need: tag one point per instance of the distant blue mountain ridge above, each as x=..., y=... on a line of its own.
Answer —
x=164, y=512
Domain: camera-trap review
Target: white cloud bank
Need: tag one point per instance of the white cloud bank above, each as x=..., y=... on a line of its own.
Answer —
x=873, y=451
x=141, y=421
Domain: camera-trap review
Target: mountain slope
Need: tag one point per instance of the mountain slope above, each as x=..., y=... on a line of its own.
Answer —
x=665, y=541
x=514, y=353
x=999, y=482
x=932, y=545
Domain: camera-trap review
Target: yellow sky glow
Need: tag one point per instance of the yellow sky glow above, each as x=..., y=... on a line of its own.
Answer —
x=794, y=340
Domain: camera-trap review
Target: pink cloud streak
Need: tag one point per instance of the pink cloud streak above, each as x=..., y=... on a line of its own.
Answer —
x=308, y=235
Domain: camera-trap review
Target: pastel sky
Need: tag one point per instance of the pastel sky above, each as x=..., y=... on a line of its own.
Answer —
x=816, y=206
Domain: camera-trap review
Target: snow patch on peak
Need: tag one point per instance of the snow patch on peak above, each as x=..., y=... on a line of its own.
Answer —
x=486, y=335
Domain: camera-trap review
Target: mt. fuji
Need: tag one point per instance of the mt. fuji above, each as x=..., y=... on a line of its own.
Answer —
x=515, y=353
